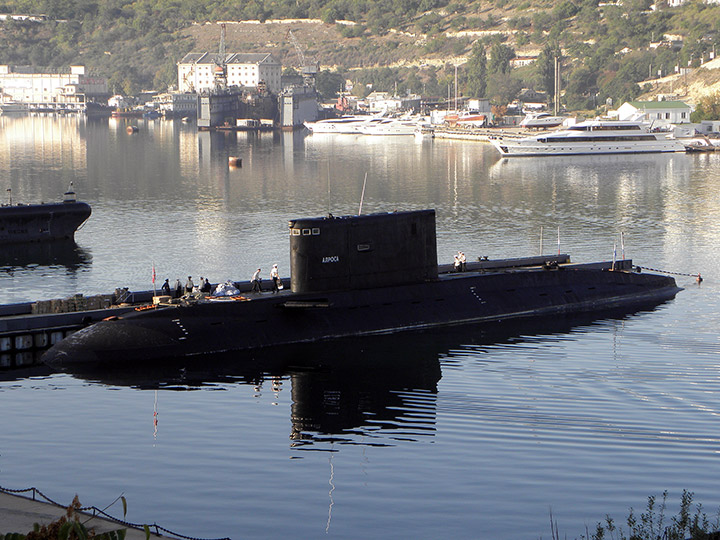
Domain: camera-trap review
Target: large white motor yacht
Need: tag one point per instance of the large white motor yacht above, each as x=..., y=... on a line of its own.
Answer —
x=344, y=124
x=591, y=137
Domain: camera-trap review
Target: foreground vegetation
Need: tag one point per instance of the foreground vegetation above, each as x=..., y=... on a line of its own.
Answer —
x=70, y=527
x=653, y=524
x=604, y=51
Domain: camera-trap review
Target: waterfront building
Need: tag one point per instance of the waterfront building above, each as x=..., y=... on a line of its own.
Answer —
x=70, y=89
x=659, y=112
x=177, y=103
x=384, y=101
x=198, y=72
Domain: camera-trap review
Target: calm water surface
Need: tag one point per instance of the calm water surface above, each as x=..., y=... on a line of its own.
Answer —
x=464, y=433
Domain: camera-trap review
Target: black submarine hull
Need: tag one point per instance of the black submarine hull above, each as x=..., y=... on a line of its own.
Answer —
x=289, y=317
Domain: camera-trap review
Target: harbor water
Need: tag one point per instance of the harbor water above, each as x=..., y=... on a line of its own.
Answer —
x=472, y=432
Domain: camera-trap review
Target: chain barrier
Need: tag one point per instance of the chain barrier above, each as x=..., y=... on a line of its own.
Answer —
x=95, y=511
x=671, y=273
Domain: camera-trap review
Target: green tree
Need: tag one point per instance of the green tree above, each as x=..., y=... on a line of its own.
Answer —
x=708, y=108
x=476, y=72
x=500, y=56
x=581, y=89
x=545, y=69
x=503, y=88
x=329, y=83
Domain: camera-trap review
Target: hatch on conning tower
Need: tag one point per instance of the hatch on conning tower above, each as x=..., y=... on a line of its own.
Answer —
x=359, y=252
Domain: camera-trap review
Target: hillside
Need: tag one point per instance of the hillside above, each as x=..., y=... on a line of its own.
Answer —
x=698, y=83
x=408, y=45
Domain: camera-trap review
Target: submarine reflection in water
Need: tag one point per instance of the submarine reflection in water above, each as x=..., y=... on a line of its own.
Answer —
x=363, y=391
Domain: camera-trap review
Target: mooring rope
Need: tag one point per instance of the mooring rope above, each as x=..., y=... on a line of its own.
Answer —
x=95, y=511
x=671, y=273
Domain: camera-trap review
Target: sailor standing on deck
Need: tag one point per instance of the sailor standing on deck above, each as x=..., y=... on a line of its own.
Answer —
x=166, y=288
x=463, y=261
x=189, y=285
x=275, y=276
x=178, y=288
x=256, y=281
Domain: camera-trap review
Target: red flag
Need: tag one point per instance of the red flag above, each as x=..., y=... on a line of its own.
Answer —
x=153, y=277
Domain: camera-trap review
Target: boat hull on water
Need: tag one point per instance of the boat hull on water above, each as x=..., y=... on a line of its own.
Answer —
x=472, y=297
x=42, y=222
x=359, y=276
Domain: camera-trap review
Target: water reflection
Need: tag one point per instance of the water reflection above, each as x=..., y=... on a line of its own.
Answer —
x=370, y=391
x=40, y=255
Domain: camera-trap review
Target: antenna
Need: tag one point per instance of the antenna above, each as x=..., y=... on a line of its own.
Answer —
x=362, y=197
x=328, y=186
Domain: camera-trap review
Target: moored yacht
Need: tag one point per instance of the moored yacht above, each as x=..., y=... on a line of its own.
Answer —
x=344, y=124
x=591, y=137
x=392, y=126
x=541, y=120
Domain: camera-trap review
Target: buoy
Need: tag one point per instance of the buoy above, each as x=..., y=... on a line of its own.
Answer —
x=699, y=278
x=132, y=129
x=235, y=161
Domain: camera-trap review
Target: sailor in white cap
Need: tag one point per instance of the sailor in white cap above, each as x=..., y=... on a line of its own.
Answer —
x=275, y=276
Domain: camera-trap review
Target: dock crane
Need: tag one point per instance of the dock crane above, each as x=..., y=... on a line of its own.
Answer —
x=220, y=72
x=307, y=69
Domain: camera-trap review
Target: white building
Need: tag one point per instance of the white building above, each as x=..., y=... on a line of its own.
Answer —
x=658, y=112
x=384, y=102
x=24, y=85
x=198, y=71
x=177, y=103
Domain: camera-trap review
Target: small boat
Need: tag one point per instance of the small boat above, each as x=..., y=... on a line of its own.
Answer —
x=363, y=275
x=541, y=120
x=42, y=222
x=472, y=118
x=591, y=137
x=13, y=107
x=701, y=144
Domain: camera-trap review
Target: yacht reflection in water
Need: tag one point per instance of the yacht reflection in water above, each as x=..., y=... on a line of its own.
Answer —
x=367, y=391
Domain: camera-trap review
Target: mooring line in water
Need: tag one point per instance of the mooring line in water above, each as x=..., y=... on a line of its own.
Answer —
x=97, y=511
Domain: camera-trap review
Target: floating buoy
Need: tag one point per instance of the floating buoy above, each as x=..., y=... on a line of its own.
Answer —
x=235, y=161
x=132, y=129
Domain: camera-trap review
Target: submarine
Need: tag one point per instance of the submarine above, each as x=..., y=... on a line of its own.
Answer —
x=364, y=275
x=43, y=222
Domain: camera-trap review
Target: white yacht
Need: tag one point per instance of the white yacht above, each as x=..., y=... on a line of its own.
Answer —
x=344, y=124
x=392, y=126
x=541, y=120
x=591, y=137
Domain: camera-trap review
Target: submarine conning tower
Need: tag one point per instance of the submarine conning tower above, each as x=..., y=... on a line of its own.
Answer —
x=360, y=252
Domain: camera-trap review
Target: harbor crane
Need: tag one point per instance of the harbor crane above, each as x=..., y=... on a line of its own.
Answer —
x=220, y=64
x=307, y=69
